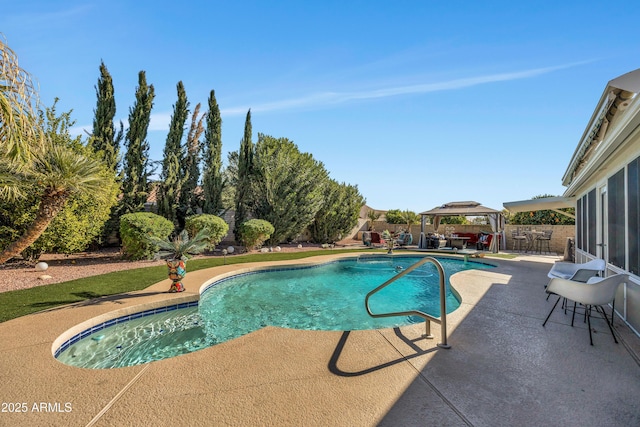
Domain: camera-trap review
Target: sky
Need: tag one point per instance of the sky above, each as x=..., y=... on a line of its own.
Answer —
x=418, y=103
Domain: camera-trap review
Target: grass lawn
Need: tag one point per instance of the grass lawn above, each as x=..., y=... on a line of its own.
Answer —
x=26, y=301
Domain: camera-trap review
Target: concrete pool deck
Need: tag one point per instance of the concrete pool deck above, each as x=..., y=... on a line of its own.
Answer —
x=503, y=369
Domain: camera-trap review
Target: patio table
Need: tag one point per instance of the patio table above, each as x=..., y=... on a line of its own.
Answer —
x=457, y=242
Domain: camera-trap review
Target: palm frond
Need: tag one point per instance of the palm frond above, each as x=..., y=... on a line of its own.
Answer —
x=182, y=247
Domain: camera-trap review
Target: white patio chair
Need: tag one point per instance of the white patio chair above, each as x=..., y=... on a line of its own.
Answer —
x=577, y=272
x=594, y=294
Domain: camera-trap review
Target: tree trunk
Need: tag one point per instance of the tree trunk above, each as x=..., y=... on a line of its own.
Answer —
x=50, y=205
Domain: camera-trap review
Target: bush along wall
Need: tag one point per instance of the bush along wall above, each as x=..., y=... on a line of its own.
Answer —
x=135, y=229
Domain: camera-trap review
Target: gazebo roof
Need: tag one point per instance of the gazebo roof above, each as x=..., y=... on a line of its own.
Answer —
x=460, y=208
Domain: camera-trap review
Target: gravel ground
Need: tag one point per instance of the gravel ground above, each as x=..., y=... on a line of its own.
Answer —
x=16, y=275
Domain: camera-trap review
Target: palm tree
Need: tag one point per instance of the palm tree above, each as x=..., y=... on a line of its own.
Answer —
x=20, y=133
x=35, y=156
x=410, y=218
x=59, y=172
x=372, y=216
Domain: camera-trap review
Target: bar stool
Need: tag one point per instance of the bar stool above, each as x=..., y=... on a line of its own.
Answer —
x=519, y=239
x=545, y=240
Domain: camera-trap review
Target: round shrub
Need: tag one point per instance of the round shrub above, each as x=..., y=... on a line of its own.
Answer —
x=135, y=228
x=216, y=225
x=255, y=232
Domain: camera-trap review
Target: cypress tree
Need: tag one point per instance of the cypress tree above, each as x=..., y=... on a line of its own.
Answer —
x=136, y=161
x=213, y=183
x=245, y=172
x=103, y=138
x=172, y=163
x=189, y=202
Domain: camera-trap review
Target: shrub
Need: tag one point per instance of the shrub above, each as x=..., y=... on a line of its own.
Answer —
x=394, y=216
x=72, y=230
x=135, y=228
x=216, y=225
x=255, y=232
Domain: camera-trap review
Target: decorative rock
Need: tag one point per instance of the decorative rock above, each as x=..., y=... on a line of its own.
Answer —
x=42, y=266
x=300, y=246
x=264, y=250
x=230, y=249
x=278, y=248
x=45, y=277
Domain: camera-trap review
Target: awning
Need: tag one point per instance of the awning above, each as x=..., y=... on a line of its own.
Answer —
x=542, y=204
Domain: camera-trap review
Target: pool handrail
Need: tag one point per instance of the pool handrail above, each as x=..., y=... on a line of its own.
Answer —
x=427, y=317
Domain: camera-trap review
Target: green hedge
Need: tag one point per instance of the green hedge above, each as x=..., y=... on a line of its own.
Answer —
x=216, y=225
x=255, y=232
x=134, y=230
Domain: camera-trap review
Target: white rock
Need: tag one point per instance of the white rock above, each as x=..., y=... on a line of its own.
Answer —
x=45, y=277
x=42, y=266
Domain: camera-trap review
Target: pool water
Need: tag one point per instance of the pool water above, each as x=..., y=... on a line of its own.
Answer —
x=324, y=297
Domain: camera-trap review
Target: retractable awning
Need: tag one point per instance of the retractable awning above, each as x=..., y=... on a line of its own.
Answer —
x=542, y=204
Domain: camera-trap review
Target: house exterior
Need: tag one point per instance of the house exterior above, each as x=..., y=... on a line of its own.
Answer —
x=603, y=184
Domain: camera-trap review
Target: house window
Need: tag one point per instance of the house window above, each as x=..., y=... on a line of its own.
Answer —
x=616, y=219
x=591, y=222
x=633, y=233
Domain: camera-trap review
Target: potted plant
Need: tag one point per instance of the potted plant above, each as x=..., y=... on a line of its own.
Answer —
x=178, y=251
x=390, y=240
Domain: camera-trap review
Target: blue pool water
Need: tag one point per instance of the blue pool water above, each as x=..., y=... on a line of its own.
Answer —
x=325, y=297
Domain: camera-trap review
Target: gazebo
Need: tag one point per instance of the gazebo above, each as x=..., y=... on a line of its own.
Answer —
x=465, y=209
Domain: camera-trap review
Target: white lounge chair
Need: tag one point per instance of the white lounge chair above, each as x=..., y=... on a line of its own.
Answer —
x=596, y=293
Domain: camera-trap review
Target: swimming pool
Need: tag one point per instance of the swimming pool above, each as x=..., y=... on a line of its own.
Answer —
x=327, y=296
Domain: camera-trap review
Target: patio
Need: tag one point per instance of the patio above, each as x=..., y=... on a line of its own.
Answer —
x=504, y=368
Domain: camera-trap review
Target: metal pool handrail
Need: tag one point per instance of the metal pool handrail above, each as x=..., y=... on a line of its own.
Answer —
x=427, y=317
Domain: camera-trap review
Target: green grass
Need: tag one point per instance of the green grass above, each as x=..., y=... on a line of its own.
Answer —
x=26, y=301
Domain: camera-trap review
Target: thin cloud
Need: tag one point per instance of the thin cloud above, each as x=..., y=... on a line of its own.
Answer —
x=49, y=19
x=160, y=121
x=328, y=98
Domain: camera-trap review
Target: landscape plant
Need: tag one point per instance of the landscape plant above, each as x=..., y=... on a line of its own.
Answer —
x=217, y=227
x=137, y=228
x=213, y=182
x=288, y=187
x=394, y=216
x=255, y=232
x=189, y=200
x=136, y=159
x=178, y=251
x=338, y=214
x=410, y=218
x=55, y=173
x=172, y=176
x=244, y=178
x=372, y=217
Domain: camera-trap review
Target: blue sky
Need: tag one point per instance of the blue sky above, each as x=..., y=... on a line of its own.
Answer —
x=418, y=103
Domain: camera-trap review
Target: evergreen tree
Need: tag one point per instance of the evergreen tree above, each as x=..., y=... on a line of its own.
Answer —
x=172, y=163
x=288, y=187
x=136, y=161
x=103, y=138
x=189, y=201
x=213, y=183
x=339, y=212
x=245, y=172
